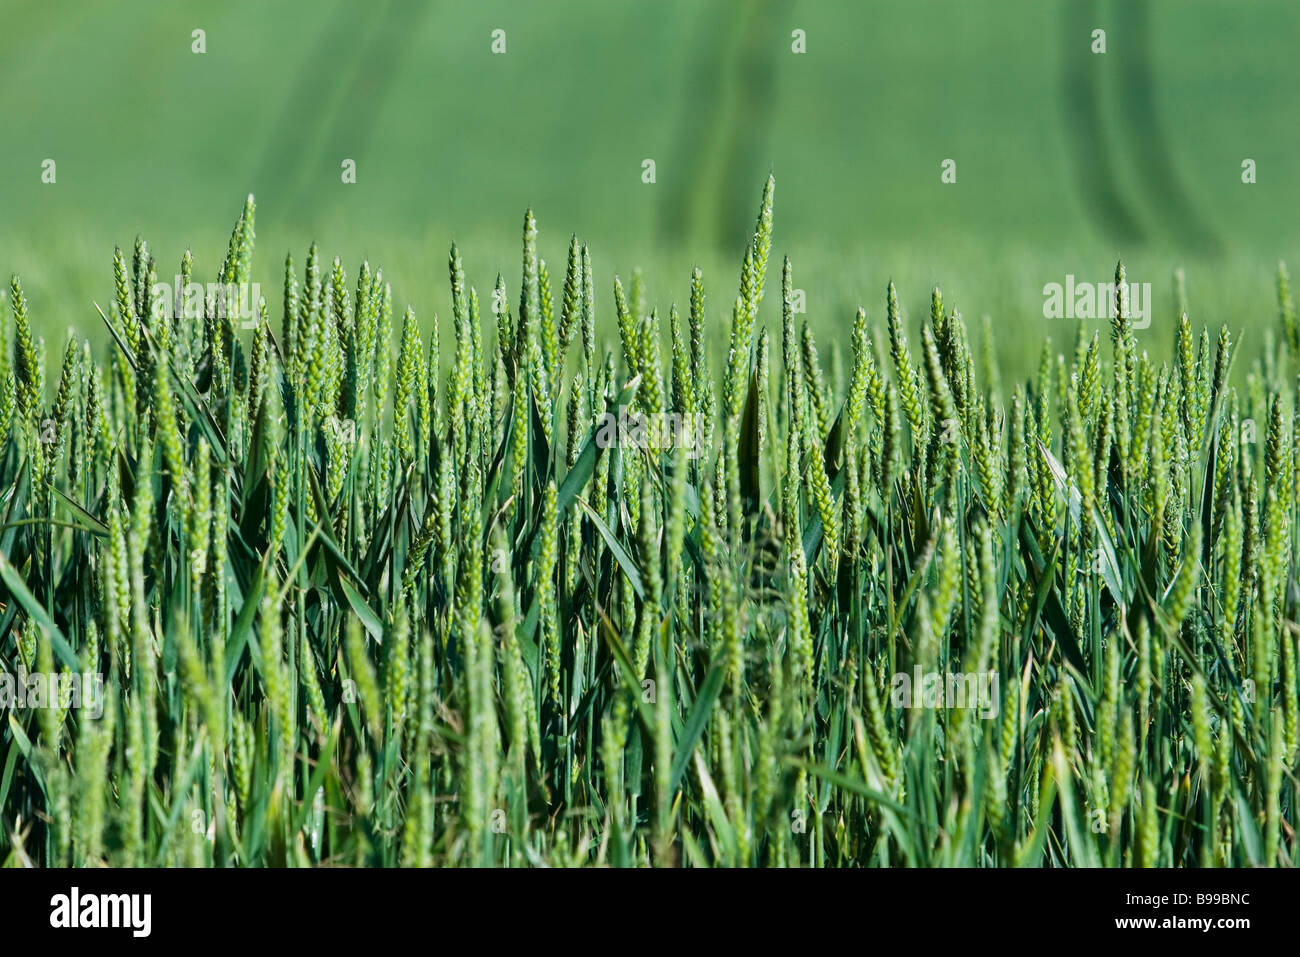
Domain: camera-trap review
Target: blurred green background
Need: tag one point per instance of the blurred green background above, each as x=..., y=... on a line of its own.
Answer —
x=1065, y=159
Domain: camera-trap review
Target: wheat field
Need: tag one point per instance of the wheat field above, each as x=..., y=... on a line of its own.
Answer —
x=305, y=591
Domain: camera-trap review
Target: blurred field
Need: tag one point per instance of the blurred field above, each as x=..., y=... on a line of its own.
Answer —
x=1065, y=160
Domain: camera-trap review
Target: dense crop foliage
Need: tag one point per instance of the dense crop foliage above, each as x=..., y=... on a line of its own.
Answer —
x=358, y=605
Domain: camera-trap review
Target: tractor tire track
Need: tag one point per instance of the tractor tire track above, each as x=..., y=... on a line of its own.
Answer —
x=1087, y=140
